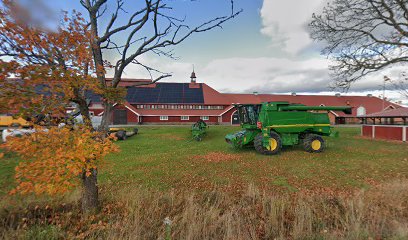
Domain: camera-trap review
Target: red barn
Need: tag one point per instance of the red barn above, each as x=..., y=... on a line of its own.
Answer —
x=184, y=103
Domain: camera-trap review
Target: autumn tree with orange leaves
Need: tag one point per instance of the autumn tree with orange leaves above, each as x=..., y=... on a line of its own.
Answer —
x=58, y=65
x=53, y=67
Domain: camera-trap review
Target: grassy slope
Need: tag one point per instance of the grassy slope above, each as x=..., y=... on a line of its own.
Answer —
x=163, y=157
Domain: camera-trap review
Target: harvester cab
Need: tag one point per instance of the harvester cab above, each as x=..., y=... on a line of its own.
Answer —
x=271, y=125
x=248, y=115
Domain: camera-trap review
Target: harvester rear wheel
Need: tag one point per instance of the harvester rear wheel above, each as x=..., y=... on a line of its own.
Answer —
x=313, y=143
x=275, y=144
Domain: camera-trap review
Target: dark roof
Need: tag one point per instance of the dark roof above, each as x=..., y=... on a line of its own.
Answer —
x=166, y=93
x=93, y=97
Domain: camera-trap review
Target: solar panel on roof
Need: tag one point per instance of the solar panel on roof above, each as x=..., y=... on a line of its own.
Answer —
x=93, y=97
x=166, y=93
x=178, y=93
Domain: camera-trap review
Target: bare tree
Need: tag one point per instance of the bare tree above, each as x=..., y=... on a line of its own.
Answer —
x=149, y=29
x=401, y=84
x=362, y=37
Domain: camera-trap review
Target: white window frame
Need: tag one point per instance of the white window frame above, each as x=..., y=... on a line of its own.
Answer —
x=184, y=118
x=205, y=118
x=164, y=118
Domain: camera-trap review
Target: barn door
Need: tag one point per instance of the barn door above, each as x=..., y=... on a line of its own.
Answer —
x=120, y=117
x=235, y=118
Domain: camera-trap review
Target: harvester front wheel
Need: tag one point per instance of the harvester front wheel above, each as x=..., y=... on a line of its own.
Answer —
x=274, y=146
x=313, y=143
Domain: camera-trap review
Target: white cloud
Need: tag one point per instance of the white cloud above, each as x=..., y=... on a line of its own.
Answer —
x=266, y=74
x=285, y=22
x=248, y=74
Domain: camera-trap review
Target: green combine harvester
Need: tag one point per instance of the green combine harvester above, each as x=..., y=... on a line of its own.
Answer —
x=271, y=125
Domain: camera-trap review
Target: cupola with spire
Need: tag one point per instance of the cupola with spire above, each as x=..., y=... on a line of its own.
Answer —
x=193, y=76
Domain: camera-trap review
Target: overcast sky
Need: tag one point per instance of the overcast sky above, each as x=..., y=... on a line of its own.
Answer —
x=266, y=49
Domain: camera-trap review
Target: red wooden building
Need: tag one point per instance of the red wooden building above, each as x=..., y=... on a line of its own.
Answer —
x=184, y=103
x=388, y=124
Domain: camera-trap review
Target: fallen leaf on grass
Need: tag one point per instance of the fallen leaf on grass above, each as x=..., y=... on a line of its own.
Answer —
x=217, y=157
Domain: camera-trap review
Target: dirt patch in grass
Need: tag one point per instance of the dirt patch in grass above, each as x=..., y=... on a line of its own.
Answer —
x=168, y=136
x=217, y=157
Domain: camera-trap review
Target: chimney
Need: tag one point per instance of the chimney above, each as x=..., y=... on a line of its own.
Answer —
x=293, y=94
x=337, y=95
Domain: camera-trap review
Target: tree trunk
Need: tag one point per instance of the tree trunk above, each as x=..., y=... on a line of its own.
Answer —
x=84, y=109
x=90, y=202
x=106, y=117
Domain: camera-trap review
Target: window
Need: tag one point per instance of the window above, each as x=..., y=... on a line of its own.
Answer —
x=185, y=118
x=205, y=118
x=361, y=111
x=164, y=118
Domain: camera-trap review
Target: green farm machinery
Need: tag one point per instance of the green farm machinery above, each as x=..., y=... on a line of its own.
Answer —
x=198, y=130
x=271, y=125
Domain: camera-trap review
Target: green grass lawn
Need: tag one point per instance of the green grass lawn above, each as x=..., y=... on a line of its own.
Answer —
x=165, y=158
x=162, y=157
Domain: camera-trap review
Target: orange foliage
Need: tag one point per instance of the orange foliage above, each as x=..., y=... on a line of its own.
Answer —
x=54, y=159
x=57, y=59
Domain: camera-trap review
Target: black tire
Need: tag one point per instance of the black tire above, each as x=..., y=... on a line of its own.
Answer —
x=314, y=143
x=258, y=144
x=121, y=135
x=135, y=130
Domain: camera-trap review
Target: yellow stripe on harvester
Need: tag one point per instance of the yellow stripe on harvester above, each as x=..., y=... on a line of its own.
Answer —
x=299, y=125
